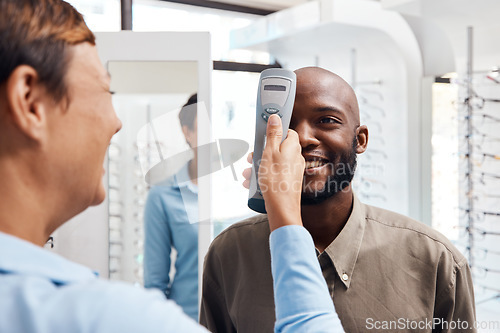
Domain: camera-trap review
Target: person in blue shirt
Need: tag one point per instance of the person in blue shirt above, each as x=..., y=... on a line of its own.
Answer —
x=56, y=122
x=171, y=222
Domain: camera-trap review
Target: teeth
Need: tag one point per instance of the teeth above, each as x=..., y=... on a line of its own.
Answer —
x=313, y=164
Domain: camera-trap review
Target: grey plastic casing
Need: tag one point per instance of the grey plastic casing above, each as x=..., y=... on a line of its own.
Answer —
x=270, y=101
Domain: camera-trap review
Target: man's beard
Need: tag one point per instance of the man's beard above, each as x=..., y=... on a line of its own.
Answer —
x=343, y=172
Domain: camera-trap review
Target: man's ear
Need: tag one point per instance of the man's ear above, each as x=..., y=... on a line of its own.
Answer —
x=362, y=136
x=27, y=102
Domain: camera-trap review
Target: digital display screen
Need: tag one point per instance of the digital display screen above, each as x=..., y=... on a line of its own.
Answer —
x=274, y=87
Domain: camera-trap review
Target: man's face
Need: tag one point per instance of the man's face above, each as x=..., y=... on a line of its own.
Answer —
x=82, y=129
x=326, y=123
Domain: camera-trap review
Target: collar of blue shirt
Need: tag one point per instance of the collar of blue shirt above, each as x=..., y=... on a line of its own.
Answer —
x=22, y=257
x=180, y=180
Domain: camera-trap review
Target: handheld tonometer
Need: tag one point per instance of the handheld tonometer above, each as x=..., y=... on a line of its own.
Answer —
x=276, y=95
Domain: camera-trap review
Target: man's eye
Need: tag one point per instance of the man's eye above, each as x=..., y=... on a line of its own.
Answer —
x=111, y=92
x=329, y=121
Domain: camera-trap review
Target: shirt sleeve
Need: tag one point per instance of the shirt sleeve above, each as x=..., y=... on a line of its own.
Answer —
x=455, y=305
x=157, y=243
x=303, y=303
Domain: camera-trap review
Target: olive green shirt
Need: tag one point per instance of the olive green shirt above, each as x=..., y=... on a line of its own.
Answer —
x=389, y=273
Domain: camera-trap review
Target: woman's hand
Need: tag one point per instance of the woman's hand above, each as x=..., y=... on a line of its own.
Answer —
x=280, y=177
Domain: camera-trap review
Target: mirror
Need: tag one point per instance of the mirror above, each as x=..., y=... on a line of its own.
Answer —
x=153, y=191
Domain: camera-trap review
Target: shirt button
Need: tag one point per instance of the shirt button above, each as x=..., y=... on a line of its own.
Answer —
x=345, y=277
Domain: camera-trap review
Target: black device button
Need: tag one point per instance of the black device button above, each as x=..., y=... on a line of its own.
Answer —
x=272, y=110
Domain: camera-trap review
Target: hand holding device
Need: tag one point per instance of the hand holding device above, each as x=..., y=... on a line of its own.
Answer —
x=280, y=175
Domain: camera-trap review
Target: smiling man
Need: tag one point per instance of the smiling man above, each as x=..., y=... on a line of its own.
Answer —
x=386, y=270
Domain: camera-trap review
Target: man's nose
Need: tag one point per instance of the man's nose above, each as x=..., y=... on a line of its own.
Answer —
x=306, y=134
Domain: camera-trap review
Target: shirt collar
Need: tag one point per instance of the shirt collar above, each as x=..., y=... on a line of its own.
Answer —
x=21, y=257
x=344, y=249
x=182, y=179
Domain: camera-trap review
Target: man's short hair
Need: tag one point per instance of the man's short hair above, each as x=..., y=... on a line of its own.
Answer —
x=187, y=114
x=37, y=33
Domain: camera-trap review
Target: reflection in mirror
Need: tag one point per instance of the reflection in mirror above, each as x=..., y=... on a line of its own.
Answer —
x=233, y=115
x=153, y=193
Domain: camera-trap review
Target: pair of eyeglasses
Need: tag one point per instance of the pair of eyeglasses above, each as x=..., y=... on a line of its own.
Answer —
x=477, y=232
x=480, y=177
x=115, y=222
x=489, y=156
x=491, y=77
x=139, y=243
x=484, y=288
x=114, y=180
x=489, y=299
x=376, y=93
x=140, y=202
x=114, y=166
x=372, y=168
x=482, y=272
x=115, y=208
x=481, y=154
x=368, y=108
x=479, y=158
x=370, y=123
x=113, y=193
x=373, y=196
x=481, y=195
x=370, y=152
x=372, y=181
x=478, y=215
x=377, y=138
x=140, y=189
x=138, y=215
x=115, y=265
x=481, y=253
x=484, y=137
x=463, y=145
x=480, y=119
x=493, y=73
x=477, y=254
x=478, y=102
x=115, y=250
x=485, y=117
x=115, y=234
